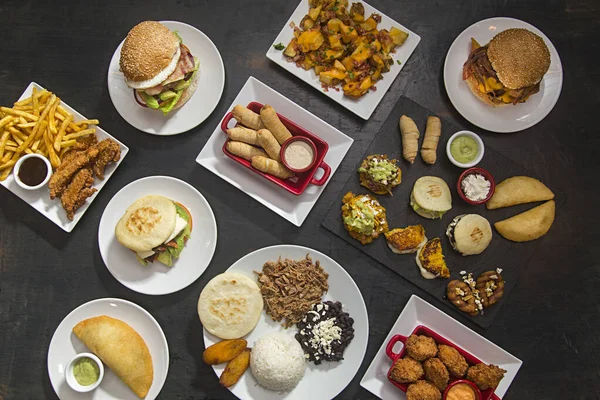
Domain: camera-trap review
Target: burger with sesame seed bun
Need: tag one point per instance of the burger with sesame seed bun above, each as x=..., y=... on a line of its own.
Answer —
x=509, y=69
x=159, y=68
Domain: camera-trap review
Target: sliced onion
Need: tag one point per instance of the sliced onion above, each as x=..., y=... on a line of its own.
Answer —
x=139, y=101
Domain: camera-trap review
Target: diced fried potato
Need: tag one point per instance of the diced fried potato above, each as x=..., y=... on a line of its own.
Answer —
x=339, y=65
x=223, y=351
x=307, y=23
x=334, y=24
x=348, y=33
x=319, y=69
x=333, y=54
x=335, y=42
x=235, y=369
x=369, y=24
x=292, y=48
x=398, y=36
x=310, y=40
x=334, y=74
x=357, y=11
x=361, y=54
x=377, y=44
x=313, y=13
x=348, y=63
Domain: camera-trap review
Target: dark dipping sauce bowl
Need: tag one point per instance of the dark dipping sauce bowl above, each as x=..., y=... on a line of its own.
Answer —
x=32, y=171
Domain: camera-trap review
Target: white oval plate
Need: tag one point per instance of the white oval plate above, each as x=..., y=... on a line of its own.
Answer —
x=156, y=278
x=503, y=119
x=65, y=345
x=211, y=81
x=323, y=381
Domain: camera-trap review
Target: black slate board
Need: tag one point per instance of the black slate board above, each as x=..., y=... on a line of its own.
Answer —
x=501, y=253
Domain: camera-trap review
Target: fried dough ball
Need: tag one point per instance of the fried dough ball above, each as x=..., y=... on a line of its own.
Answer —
x=485, y=376
x=422, y=390
x=456, y=363
x=421, y=347
x=406, y=370
x=436, y=373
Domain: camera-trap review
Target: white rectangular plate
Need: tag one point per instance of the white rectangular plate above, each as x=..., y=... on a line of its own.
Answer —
x=293, y=208
x=418, y=312
x=40, y=199
x=364, y=106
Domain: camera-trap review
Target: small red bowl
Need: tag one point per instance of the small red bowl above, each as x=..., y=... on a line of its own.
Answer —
x=425, y=331
x=291, y=140
x=471, y=385
x=485, y=174
x=298, y=183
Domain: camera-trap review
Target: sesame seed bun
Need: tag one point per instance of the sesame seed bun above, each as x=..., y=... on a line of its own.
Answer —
x=519, y=57
x=148, y=51
x=473, y=84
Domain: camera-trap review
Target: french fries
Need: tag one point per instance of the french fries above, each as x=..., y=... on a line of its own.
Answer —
x=38, y=124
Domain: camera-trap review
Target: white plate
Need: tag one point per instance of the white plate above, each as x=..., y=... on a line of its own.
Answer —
x=323, y=381
x=291, y=207
x=156, y=278
x=211, y=81
x=65, y=345
x=504, y=119
x=418, y=312
x=364, y=106
x=40, y=199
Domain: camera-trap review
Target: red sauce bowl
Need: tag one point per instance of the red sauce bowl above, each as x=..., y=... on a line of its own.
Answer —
x=291, y=140
x=485, y=174
x=471, y=384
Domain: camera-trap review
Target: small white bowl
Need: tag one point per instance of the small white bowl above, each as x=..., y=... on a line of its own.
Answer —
x=480, y=148
x=71, y=378
x=18, y=167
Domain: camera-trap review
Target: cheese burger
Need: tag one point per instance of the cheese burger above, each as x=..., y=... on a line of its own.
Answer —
x=158, y=67
x=469, y=234
x=507, y=70
x=155, y=228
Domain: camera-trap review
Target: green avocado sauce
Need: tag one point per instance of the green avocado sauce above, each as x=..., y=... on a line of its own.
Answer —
x=464, y=149
x=380, y=170
x=86, y=371
x=361, y=218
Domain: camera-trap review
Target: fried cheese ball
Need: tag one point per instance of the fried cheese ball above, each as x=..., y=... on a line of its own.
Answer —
x=456, y=363
x=485, y=376
x=436, y=373
x=422, y=390
x=406, y=370
x=421, y=347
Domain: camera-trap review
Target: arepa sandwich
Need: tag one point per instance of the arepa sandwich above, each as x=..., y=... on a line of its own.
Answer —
x=155, y=228
x=430, y=197
x=469, y=234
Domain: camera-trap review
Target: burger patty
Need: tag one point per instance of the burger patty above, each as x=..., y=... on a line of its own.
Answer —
x=478, y=65
x=185, y=66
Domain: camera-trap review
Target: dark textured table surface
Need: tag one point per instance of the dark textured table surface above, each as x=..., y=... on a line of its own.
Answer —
x=550, y=320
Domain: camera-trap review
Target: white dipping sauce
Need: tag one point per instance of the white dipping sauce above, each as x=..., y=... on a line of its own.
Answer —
x=475, y=187
x=299, y=154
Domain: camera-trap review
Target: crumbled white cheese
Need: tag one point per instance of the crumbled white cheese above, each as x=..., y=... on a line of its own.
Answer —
x=475, y=187
x=324, y=333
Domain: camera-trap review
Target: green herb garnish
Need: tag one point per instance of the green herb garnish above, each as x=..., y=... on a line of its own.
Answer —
x=398, y=62
x=279, y=46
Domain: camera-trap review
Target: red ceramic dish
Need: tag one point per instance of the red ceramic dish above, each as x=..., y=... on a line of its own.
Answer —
x=291, y=140
x=480, y=171
x=466, y=382
x=300, y=181
x=423, y=330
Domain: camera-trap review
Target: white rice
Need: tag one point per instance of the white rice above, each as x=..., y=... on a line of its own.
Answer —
x=277, y=362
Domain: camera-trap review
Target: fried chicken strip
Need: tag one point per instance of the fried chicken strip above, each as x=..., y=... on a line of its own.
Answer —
x=77, y=191
x=59, y=181
x=109, y=151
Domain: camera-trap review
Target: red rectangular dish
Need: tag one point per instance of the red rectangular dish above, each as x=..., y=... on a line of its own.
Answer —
x=298, y=183
x=423, y=330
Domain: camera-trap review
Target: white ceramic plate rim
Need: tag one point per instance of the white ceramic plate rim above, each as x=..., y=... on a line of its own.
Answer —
x=364, y=106
x=212, y=158
x=190, y=114
x=355, y=309
x=157, y=383
x=483, y=116
x=197, y=269
x=40, y=199
x=375, y=381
